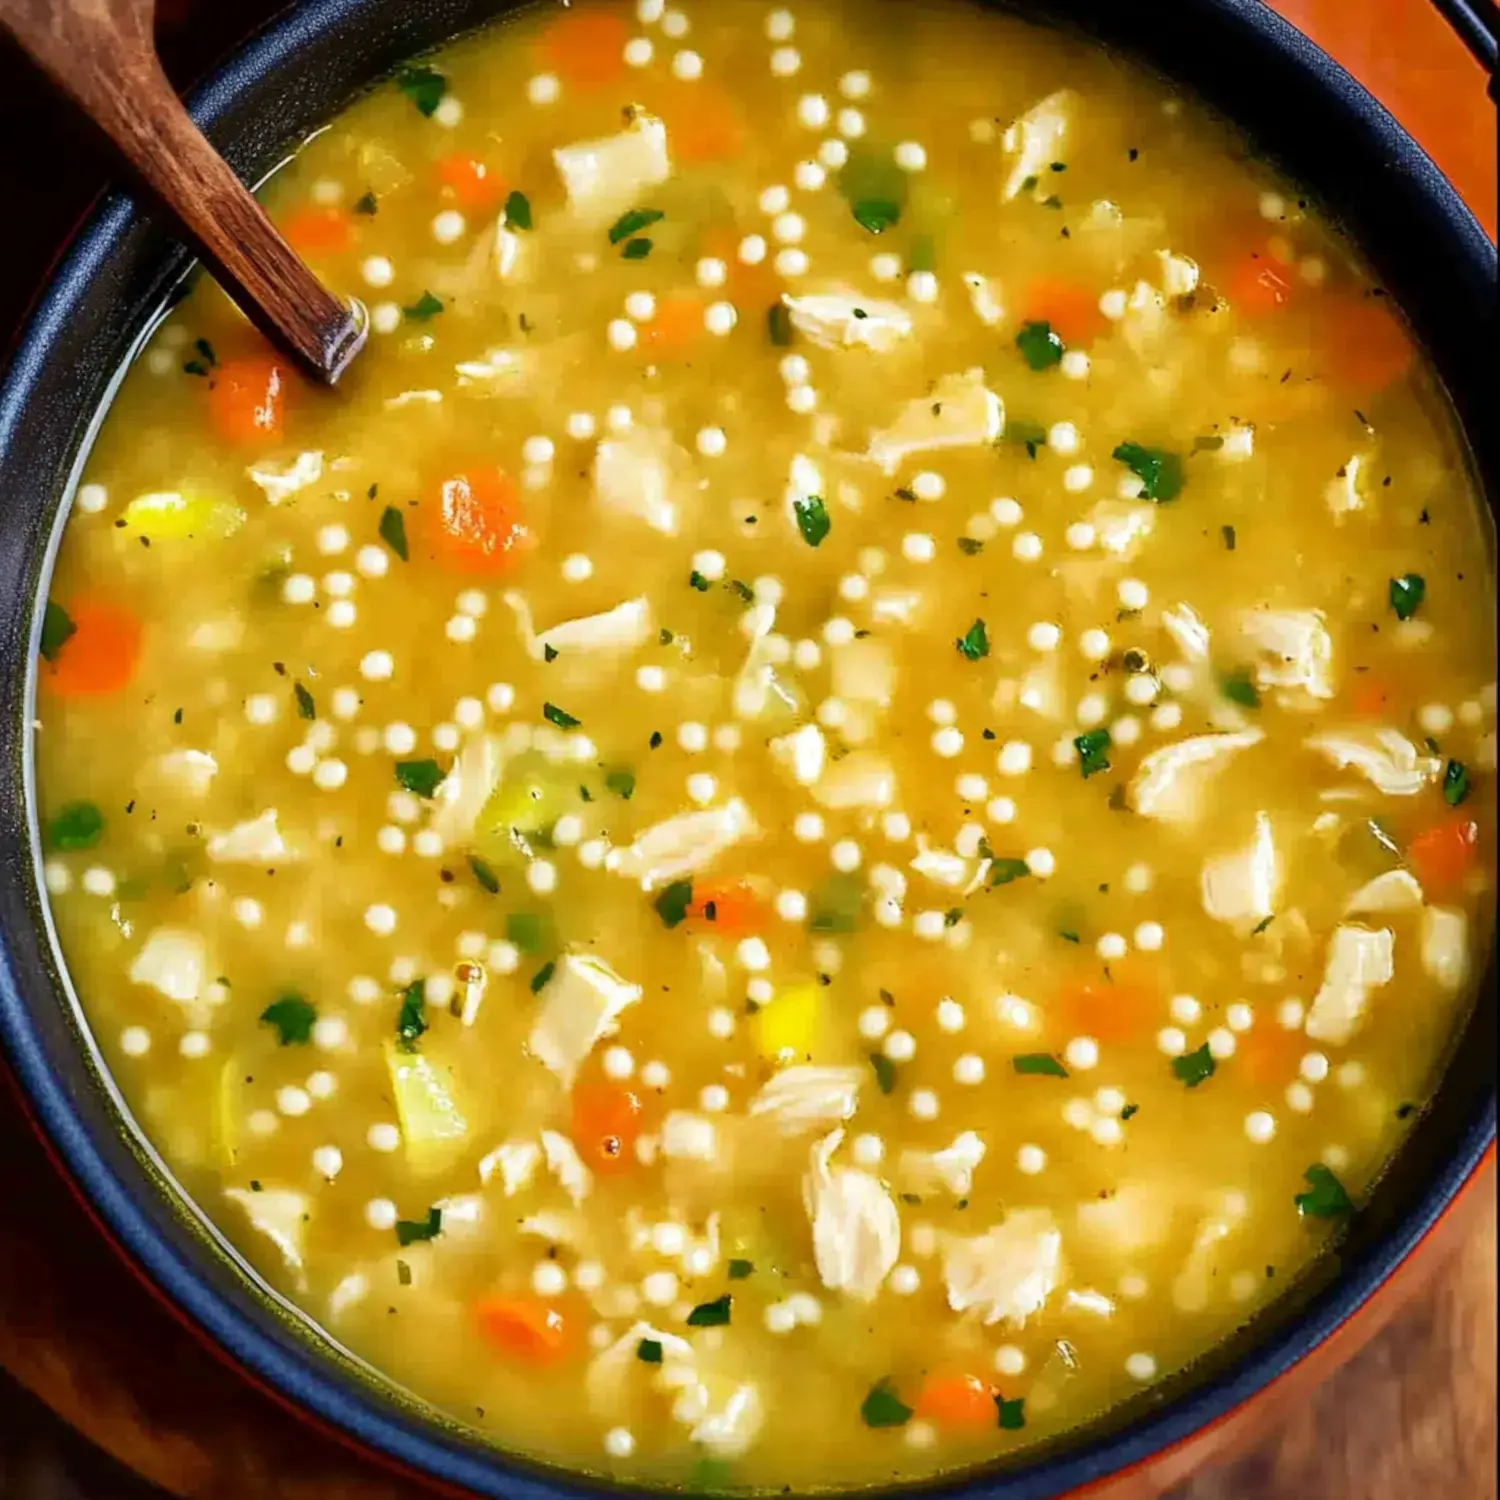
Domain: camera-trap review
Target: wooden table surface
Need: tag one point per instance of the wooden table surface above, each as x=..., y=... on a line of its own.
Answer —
x=1414, y=1414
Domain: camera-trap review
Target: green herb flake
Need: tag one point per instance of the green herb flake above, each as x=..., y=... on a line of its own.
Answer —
x=648, y=1351
x=1011, y=1415
x=884, y=1408
x=1325, y=1197
x=1003, y=871
x=526, y=930
x=393, y=531
x=885, y=1071
x=1227, y=532
x=554, y=715
x=812, y=519
x=1093, y=752
x=877, y=214
x=697, y=581
x=974, y=643
x=518, y=211
x=422, y=777
x=1038, y=1065
x=484, y=875
x=1031, y=435
x=540, y=978
x=1210, y=444
x=632, y=222
x=1455, y=783
x=779, y=324
x=424, y=308
x=672, y=905
x=1239, y=687
x=424, y=87
x=1040, y=347
x=970, y=546
x=1129, y=1112
x=57, y=630
x=411, y=1019
x=206, y=351
x=740, y=1270
x=403, y=1273
x=413, y=1231
x=637, y=249
x=1261, y=925
x=293, y=1018
x=194, y=367
x=306, y=707
x=713, y=1314
x=1193, y=1068
x=75, y=826
x=1407, y=594
x=366, y=205
x=1160, y=472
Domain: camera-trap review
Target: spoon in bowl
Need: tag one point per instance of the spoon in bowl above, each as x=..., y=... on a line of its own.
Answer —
x=102, y=55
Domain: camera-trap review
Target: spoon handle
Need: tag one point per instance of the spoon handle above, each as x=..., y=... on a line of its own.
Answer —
x=102, y=55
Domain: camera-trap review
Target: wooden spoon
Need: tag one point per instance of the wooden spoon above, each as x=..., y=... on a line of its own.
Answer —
x=102, y=55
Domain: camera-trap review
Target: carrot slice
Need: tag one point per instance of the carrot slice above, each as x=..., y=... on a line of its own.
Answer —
x=469, y=180
x=587, y=47
x=526, y=1327
x=1108, y=1011
x=1367, y=346
x=315, y=230
x=246, y=399
x=1259, y=286
x=606, y=1123
x=732, y=906
x=100, y=656
x=957, y=1401
x=703, y=123
x=1444, y=854
x=478, y=527
x=1372, y=698
x=677, y=327
x=1071, y=309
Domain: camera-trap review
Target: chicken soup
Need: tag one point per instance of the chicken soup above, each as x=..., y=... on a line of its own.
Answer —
x=835, y=811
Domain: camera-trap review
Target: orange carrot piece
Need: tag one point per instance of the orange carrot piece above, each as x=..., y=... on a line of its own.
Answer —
x=606, y=1123
x=1444, y=854
x=957, y=1401
x=1372, y=698
x=469, y=180
x=1109, y=1011
x=527, y=1327
x=677, y=328
x=1071, y=309
x=246, y=399
x=1367, y=346
x=478, y=527
x=587, y=47
x=101, y=654
x=736, y=909
x=1258, y=286
x=315, y=230
x=703, y=123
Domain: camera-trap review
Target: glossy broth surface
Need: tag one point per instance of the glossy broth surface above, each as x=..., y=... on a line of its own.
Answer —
x=835, y=812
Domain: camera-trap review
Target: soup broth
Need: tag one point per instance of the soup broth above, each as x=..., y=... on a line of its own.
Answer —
x=833, y=814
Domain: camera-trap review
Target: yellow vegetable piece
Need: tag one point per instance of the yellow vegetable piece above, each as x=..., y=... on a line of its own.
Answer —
x=787, y=1029
x=432, y=1126
x=169, y=514
x=229, y=1110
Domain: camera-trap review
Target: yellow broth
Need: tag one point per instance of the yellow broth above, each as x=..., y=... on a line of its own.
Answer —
x=832, y=812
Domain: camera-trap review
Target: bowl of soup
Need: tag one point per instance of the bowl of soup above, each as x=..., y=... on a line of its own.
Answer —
x=833, y=825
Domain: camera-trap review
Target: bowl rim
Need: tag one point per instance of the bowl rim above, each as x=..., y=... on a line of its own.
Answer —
x=307, y=1381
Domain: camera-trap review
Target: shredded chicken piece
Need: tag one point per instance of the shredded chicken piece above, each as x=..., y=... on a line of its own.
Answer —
x=1036, y=139
x=1384, y=757
x=579, y=1007
x=1359, y=960
x=1171, y=783
x=856, y=1229
x=846, y=320
x=1008, y=1272
x=807, y=1097
x=685, y=844
x=1293, y=648
x=961, y=412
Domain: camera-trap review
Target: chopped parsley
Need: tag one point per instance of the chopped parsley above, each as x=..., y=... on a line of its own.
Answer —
x=621, y=783
x=637, y=249
x=648, y=1351
x=57, y=630
x=632, y=222
x=554, y=715
x=411, y=1019
x=518, y=211
x=1239, y=687
x=424, y=87
x=713, y=1314
x=1325, y=1197
x=1093, y=751
x=885, y=1071
x=1261, y=925
x=970, y=546
x=76, y=825
x=539, y=979
x=739, y=1270
x=366, y=205
x=812, y=519
x=1003, y=871
x=484, y=874
x=1031, y=435
x=1455, y=783
x=306, y=707
x=423, y=777
x=1040, y=347
x=884, y=1408
x=876, y=214
x=1160, y=472
x=1129, y=1112
x=1194, y=1068
x=293, y=1018
x=672, y=905
x=779, y=324
x=1227, y=532
x=393, y=531
x=1011, y=1415
x=403, y=1273
x=425, y=307
x=697, y=581
x=412, y=1231
x=1407, y=594
x=1039, y=1065
x=528, y=931
x=974, y=643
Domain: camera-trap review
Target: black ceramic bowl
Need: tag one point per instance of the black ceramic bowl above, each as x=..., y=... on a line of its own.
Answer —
x=1299, y=107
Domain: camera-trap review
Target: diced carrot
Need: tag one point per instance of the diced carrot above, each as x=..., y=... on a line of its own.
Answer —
x=1258, y=286
x=1268, y=1054
x=1071, y=309
x=315, y=230
x=750, y=288
x=677, y=327
x=703, y=122
x=1108, y=1010
x=1372, y=698
x=606, y=1123
x=526, y=1327
x=587, y=46
x=478, y=527
x=732, y=906
x=1444, y=854
x=957, y=1401
x=469, y=180
x=100, y=655
x=1366, y=345
x=246, y=398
